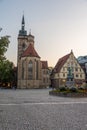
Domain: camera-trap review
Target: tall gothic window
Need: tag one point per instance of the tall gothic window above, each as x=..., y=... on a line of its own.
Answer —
x=30, y=70
x=22, y=69
x=36, y=69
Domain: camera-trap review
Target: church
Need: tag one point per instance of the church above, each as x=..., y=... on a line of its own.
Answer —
x=32, y=72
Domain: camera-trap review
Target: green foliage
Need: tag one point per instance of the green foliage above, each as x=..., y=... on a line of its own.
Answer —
x=66, y=90
x=85, y=86
x=4, y=43
x=62, y=89
x=73, y=89
x=6, y=67
x=6, y=71
x=81, y=88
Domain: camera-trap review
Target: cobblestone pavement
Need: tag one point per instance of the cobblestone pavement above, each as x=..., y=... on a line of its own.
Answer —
x=37, y=110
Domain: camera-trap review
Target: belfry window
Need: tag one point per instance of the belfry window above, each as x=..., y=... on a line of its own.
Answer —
x=23, y=46
x=30, y=70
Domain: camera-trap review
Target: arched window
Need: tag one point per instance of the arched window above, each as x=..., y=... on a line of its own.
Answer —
x=23, y=46
x=36, y=67
x=22, y=69
x=30, y=70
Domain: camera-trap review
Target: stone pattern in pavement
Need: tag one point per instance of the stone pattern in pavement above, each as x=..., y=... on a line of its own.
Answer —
x=37, y=110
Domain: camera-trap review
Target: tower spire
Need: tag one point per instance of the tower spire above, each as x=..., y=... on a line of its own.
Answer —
x=23, y=23
x=23, y=32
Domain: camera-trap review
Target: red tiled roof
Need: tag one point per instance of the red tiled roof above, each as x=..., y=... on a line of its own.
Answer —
x=30, y=51
x=61, y=62
x=44, y=64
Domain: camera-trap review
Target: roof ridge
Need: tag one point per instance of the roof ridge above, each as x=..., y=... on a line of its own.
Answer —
x=30, y=51
x=61, y=62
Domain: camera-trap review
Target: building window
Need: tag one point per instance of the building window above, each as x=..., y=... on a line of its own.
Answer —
x=44, y=80
x=36, y=67
x=23, y=46
x=47, y=80
x=68, y=64
x=76, y=69
x=63, y=69
x=22, y=69
x=71, y=79
x=80, y=69
x=71, y=63
x=77, y=75
x=63, y=74
x=80, y=75
x=30, y=70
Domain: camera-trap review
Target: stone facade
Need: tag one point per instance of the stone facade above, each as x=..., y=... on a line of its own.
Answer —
x=31, y=70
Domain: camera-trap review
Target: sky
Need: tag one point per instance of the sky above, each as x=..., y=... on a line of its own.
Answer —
x=58, y=26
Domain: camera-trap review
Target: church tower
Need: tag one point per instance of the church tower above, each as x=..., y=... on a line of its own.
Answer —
x=22, y=38
x=30, y=68
x=29, y=65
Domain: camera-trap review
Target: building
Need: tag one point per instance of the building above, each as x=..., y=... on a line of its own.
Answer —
x=83, y=63
x=59, y=76
x=32, y=72
x=82, y=59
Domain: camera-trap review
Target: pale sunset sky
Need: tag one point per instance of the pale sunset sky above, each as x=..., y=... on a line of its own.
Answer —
x=58, y=26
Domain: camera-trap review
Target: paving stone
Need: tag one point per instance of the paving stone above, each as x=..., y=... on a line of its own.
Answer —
x=37, y=110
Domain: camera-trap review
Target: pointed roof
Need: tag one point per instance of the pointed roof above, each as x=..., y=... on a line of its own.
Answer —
x=44, y=64
x=61, y=62
x=30, y=51
x=22, y=32
x=23, y=21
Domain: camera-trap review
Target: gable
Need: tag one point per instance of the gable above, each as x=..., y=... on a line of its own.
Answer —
x=44, y=64
x=65, y=62
x=30, y=51
x=60, y=63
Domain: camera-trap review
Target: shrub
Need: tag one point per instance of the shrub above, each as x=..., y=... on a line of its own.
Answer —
x=73, y=89
x=62, y=89
x=81, y=88
x=85, y=86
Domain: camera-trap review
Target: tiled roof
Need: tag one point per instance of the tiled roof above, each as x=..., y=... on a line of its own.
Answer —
x=44, y=64
x=30, y=51
x=61, y=62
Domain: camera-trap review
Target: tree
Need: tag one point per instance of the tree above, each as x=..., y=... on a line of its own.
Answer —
x=6, y=72
x=4, y=43
x=6, y=67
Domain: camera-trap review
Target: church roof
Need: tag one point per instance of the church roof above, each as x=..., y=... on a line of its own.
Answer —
x=44, y=64
x=61, y=62
x=30, y=51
